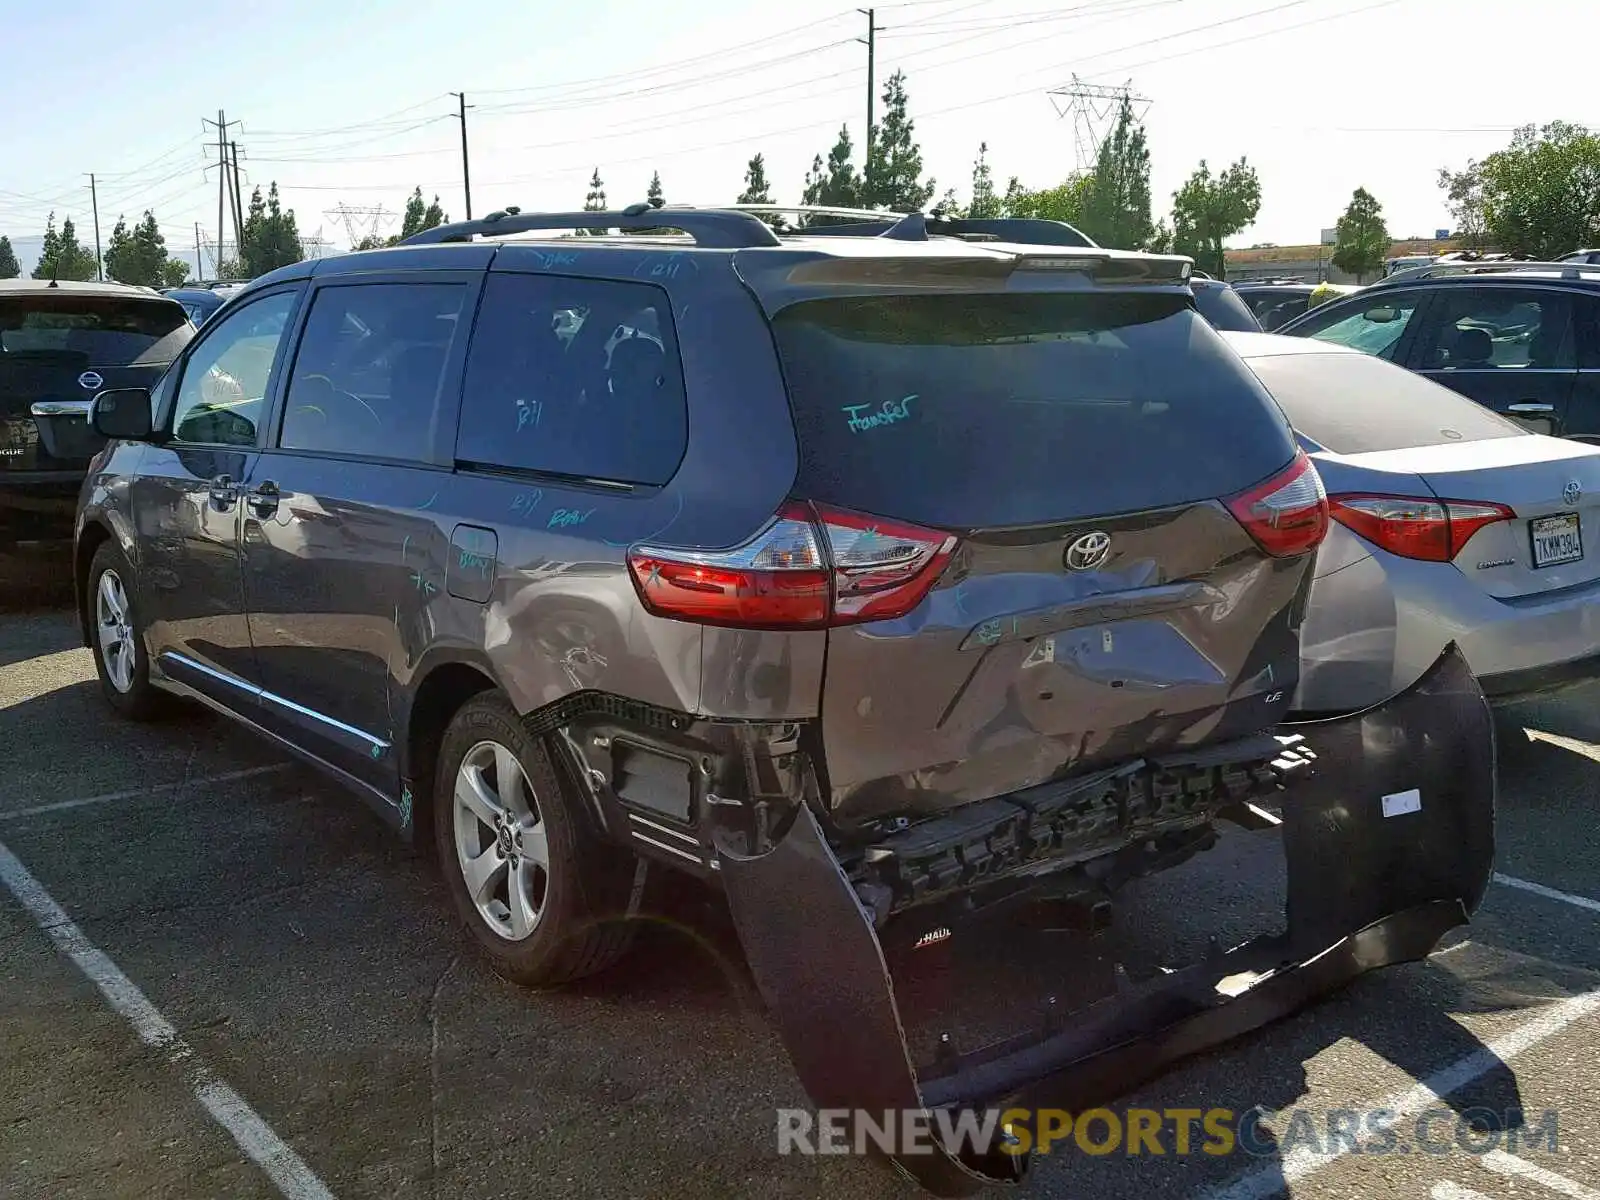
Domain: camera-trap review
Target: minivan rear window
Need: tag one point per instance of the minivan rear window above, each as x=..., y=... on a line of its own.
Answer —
x=109, y=331
x=966, y=411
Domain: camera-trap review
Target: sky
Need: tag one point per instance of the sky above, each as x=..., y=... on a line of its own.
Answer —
x=348, y=107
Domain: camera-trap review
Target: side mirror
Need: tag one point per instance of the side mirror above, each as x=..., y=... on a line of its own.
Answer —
x=122, y=414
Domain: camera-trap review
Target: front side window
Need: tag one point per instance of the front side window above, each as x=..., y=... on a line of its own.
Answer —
x=370, y=367
x=1486, y=329
x=223, y=390
x=576, y=377
x=1373, y=326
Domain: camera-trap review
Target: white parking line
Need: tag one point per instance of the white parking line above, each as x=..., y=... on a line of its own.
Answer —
x=1513, y=1167
x=1549, y=893
x=136, y=793
x=1445, y=1190
x=294, y=1179
x=1303, y=1162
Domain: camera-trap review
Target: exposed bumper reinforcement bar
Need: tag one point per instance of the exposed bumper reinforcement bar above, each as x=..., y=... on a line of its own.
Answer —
x=1377, y=876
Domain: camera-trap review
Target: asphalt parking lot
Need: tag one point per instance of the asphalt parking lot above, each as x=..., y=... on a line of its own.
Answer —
x=219, y=976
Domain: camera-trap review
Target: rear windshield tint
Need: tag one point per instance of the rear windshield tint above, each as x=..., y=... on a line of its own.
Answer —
x=1353, y=404
x=1221, y=305
x=967, y=411
x=107, y=331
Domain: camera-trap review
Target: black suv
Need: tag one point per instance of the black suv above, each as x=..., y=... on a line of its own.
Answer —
x=1520, y=338
x=879, y=580
x=60, y=343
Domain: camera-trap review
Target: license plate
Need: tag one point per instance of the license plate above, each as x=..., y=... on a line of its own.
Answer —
x=1556, y=540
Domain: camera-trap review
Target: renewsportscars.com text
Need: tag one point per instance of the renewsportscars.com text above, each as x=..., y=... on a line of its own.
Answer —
x=1134, y=1132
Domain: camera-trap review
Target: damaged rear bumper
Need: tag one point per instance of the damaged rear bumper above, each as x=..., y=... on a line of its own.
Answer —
x=1389, y=843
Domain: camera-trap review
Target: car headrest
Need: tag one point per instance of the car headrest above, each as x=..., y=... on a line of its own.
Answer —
x=1472, y=345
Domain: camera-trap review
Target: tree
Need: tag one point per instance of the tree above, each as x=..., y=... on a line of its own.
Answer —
x=1464, y=198
x=9, y=267
x=120, y=254
x=758, y=191
x=372, y=242
x=1362, y=239
x=1116, y=209
x=1541, y=195
x=985, y=204
x=139, y=255
x=271, y=238
x=893, y=175
x=949, y=207
x=174, y=274
x=62, y=256
x=418, y=216
x=835, y=185
x=1208, y=208
x=653, y=194
x=1064, y=202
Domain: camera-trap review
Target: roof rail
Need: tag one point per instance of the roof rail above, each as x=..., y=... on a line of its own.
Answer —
x=1028, y=230
x=1478, y=267
x=714, y=228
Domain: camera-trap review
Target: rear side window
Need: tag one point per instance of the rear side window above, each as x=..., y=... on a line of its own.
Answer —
x=367, y=376
x=574, y=377
x=106, y=331
x=961, y=411
x=1352, y=404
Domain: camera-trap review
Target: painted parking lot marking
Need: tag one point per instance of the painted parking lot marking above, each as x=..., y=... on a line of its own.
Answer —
x=294, y=1179
x=1549, y=893
x=38, y=810
x=1303, y=1162
x=1445, y=1190
x=1513, y=1167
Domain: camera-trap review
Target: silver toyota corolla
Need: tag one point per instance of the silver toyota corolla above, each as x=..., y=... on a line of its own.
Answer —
x=1450, y=523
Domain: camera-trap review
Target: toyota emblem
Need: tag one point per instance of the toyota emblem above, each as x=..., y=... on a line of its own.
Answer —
x=1573, y=492
x=91, y=381
x=1088, y=552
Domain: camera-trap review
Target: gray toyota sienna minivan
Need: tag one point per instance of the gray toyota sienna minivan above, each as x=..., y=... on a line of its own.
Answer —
x=875, y=580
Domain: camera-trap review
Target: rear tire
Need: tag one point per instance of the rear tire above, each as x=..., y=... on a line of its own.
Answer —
x=117, y=638
x=542, y=896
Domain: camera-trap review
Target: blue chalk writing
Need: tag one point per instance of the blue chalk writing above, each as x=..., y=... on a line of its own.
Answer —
x=989, y=632
x=405, y=808
x=404, y=545
x=528, y=413
x=523, y=503
x=555, y=258
x=890, y=412
x=664, y=266
x=563, y=518
x=470, y=561
x=377, y=750
x=423, y=585
x=429, y=504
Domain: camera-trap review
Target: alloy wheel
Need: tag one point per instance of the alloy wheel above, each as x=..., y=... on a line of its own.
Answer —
x=115, y=629
x=501, y=847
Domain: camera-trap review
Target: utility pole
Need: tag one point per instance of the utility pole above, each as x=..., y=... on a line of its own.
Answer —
x=199, y=270
x=238, y=195
x=871, y=43
x=94, y=204
x=222, y=124
x=466, y=175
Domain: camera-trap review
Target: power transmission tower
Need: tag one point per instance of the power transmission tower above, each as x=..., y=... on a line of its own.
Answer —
x=1093, y=109
x=222, y=124
x=466, y=174
x=315, y=245
x=361, y=223
x=871, y=43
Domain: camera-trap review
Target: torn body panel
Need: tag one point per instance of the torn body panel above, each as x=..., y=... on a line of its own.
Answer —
x=1389, y=840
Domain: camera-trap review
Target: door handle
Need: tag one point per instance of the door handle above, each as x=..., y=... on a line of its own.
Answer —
x=263, y=499
x=224, y=491
x=1528, y=406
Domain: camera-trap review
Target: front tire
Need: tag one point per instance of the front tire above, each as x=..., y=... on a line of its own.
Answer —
x=117, y=638
x=542, y=896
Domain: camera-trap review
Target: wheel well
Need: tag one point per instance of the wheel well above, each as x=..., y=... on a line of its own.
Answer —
x=439, y=697
x=83, y=554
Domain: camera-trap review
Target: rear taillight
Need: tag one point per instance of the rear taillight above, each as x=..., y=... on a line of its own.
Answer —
x=1414, y=527
x=812, y=566
x=1288, y=514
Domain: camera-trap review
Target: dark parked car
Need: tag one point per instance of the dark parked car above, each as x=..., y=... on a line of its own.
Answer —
x=202, y=303
x=1521, y=338
x=1278, y=302
x=60, y=343
x=889, y=583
